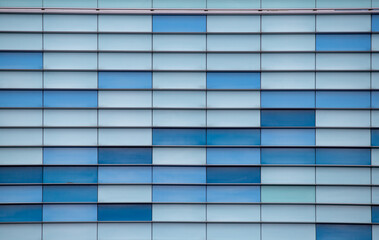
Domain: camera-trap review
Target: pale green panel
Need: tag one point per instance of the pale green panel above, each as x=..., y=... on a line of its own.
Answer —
x=70, y=80
x=375, y=118
x=179, y=61
x=125, y=23
x=233, y=118
x=179, y=3
x=180, y=42
x=290, y=80
x=19, y=156
x=343, y=214
x=243, y=42
x=340, y=194
x=234, y=23
x=233, y=213
x=124, y=118
x=288, y=61
x=341, y=175
x=24, y=117
x=70, y=118
x=119, y=193
x=233, y=99
x=288, y=4
x=289, y=42
x=233, y=61
x=125, y=137
x=179, y=99
x=20, y=41
x=179, y=156
x=70, y=3
x=70, y=41
x=344, y=61
x=135, y=42
x=288, y=175
x=288, y=23
x=342, y=118
x=125, y=61
x=343, y=23
x=178, y=80
x=20, y=22
x=225, y=231
x=125, y=4
x=21, y=3
x=24, y=79
x=288, y=194
x=342, y=137
x=124, y=99
x=124, y=231
x=21, y=231
x=342, y=80
x=344, y=3
x=288, y=213
x=243, y=4
x=288, y=231
x=72, y=231
x=70, y=137
x=182, y=231
x=179, y=118
x=21, y=136
x=179, y=212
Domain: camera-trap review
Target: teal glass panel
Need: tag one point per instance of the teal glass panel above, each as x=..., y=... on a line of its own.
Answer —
x=21, y=3
x=288, y=194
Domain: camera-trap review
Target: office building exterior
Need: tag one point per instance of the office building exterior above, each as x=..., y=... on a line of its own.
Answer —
x=189, y=120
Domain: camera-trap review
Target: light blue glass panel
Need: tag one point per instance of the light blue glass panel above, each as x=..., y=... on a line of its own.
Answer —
x=20, y=60
x=68, y=213
x=179, y=175
x=288, y=99
x=233, y=99
x=343, y=118
x=70, y=175
x=20, y=156
x=21, y=231
x=227, y=118
x=64, y=22
x=343, y=99
x=24, y=136
x=235, y=23
x=222, y=231
x=124, y=231
x=288, y=23
x=343, y=80
x=340, y=194
x=288, y=231
x=174, y=231
x=125, y=118
x=233, y=61
x=288, y=156
x=288, y=194
x=70, y=42
x=20, y=79
x=375, y=176
x=179, y=136
x=179, y=118
x=341, y=175
x=288, y=61
x=70, y=118
x=343, y=214
x=375, y=42
x=70, y=79
x=20, y=98
x=343, y=232
x=179, y=61
x=233, y=156
x=342, y=137
x=21, y=3
x=248, y=137
x=180, y=42
x=288, y=175
x=179, y=156
x=179, y=23
x=179, y=4
x=131, y=193
x=117, y=99
x=179, y=194
x=344, y=156
x=70, y=98
x=70, y=4
x=288, y=42
x=20, y=194
x=13, y=117
x=288, y=4
x=375, y=99
x=125, y=23
x=125, y=61
x=72, y=231
x=288, y=137
x=343, y=4
x=343, y=61
x=125, y=174
x=179, y=99
x=343, y=23
x=179, y=80
x=232, y=80
x=133, y=42
x=70, y=156
x=288, y=213
x=125, y=80
x=343, y=42
x=233, y=194
x=20, y=41
x=70, y=137
x=375, y=195
x=239, y=4
x=179, y=212
x=125, y=137
x=375, y=22
x=69, y=60
x=241, y=42
x=288, y=80
x=375, y=118
x=20, y=22
x=233, y=213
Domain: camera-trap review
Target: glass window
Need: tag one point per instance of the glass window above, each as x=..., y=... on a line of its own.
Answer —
x=21, y=213
x=20, y=156
x=288, y=23
x=20, y=41
x=342, y=118
x=288, y=137
x=233, y=194
x=179, y=4
x=233, y=174
x=20, y=22
x=70, y=156
x=21, y=3
x=227, y=118
x=179, y=42
x=124, y=118
x=343, y=99
x=70, y=194
x=375, y=214
x=183, y=231
x=70, y=117
x=288, y=42
x=179, y=118
x=179, y=23
x=288, y=213
x=343, y=4
x=342, y=175
x=236, y=156
x=124, y=61
x=288, y=118
x=288, y=4
x=69, y=213
x=20, y=194
x=233, y=80
x=178, y=194
x=125, y=174
x=18, y=231
x=125, y=23
x=375, y=22
x=288, y=80
x=179, y=136
x=20, y=60
x=233, y=137
x=20, y=79
x=233, y=213
x=22, y=136
x=179, y=61
x=125, y=137
x=20, y=174
x=343, y=156
x=12, y=117
x=288, y=156
x=342, y=137
x=288, y=175
x=179, y=212
x=288, y=231
x=176, y=175
x=340, y=194
x=70, y=137
x=233, y=99
x=116, y=99
x=72, y=231
x=343, y=80
x=343, y=23
x=70, y=175
x=288, y=61
x=56, y=60
x=343, y=232
x=225, y=231
x=178, y=80
x=125, y=231
x=288, y=194
x=65, y=22
x=70, y=4
x=343, y=61
x=239, y=4
x=343, y=42
x=125, y=156
x=125, y=79
x=235, y=23
x=130, y=193
x=125, y=42
x=70, y=79
x=375, y=137
x=70, y=42
x=179, y=156
x=375, y=99
x=14, y=98
x=241, y=42
x=233, y=61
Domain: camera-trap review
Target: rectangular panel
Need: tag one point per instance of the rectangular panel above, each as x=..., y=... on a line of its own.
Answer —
x=125, y=231
x=288, y=61
x=288, y=118
x=342, y=118
x=227, y=118
x=68, y=213
x=20, y=156
x=69, y=194
x=114, y=99
x=375, y=21
x=178, y=212
x=288, y=231
x=233, y=175
x=288, y=23
x=21, y=3
x=176, y=175
x=343, y=23
x=375, y=118
x=20, y=60
x=341, y=175
x=340, y=194
x=343, y=214
x=70, y=174
x=342, y=137
x=179, y=23
x=179, y=4
x=233, y=61
x=343, y=232
x=344, y=156
x=288, y=42
x=125, y=155
x=127, y=80
x=70, y=156
x=125, y=42
x=375, y=176
x=179, y=42
x=174, y=231
x=21, y=22
x=21, y=213
x=20, y=194
x=56, y=60
x=179, y=61
x=288, y=194
x=375, y=214
x=20, y=41
x=125, y=23
x=21, y=175
x=288, y=99
x=72, y=231
x=343, y=80
x=343, y=99
x=343, y=61
x=70, y=42
x=343, y=4
x=179, y=156
x=123, y=174
x=80, y=23
x=70, y=137
x=288, y=175
x=233, y=99
x=288, y=80
x=70, y=118
x=241, y=42
x=179, y=80
x=23, y=117
x=177, y=194
x=248, y=137
x=24, y=136
x=20, y=79
x=70, y=98
x=236, y=156
x=124, y=61
x=233, y=80
x=239, y=4
x=179, y=136
x=288, y=137
x=179, y=118
x=375, y=156
x=21, y=231
x=233, y=213
x=70, y=3
x=288, y=213
x=124, y=118
x=288, y=4
x=222, y=231
x=70, y=79
x=131, y=193
x=233, y=194
x=232, y=23
x=343, y=42
x=127, y=137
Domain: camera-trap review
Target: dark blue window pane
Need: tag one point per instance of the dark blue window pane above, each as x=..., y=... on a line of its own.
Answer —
x=343, y=232
x=233, y=156
x=182, y=23
x=70, y=155
x=375, y=23
x=233, y=175
x=178, y=136
x=20, y=60
x=179, y=175
x=375, y=137
x=242, y=194
x=343, y=42
x=20, y=213
x=124, y=212
x=70, y=98
x=125, y=156
x=343, y=99
x=20, y=98
x=233, y=137
x=70, y=193
x=343, y=156
x=288, y=155
x=375, y=99
x=233, y=80
x=70, y=175
x=125, y=174
x=125, y=79
x=287, y=118
x=178, y=193
x=288, y=137
x=287, y=99
x=375, y=214
x=20, y=174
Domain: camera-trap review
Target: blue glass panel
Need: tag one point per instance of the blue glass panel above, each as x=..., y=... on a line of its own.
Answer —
x=343, y=156
x=375, y=23
x=20, y=213
x=287, y=118
x=20, y=98
x=125, y=174
x=179, y=175
x=20, y=174
x=70, y=174
x=343, y=42
x=20, y=194
x=233, y=194
x=20, y=60
x=70, y=193
x=69, y=212
x=233, y=174
x=125, y=156
x=178, y=136
x=233, y=137
x=374, y=138
x=287, y=99
x=233, y=80
x=288, y=137
x=343, y=232
x=343, y=99
x=70, y=155
x=233, y=156
x=179, y=23
x=375, y=99
x=70, y=98
x=125, y=79
x=124, y=212
x=375, y=214
x=288, y=155
x=178, y=193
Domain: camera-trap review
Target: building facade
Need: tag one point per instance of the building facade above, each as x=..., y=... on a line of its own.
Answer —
x=189, y=120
